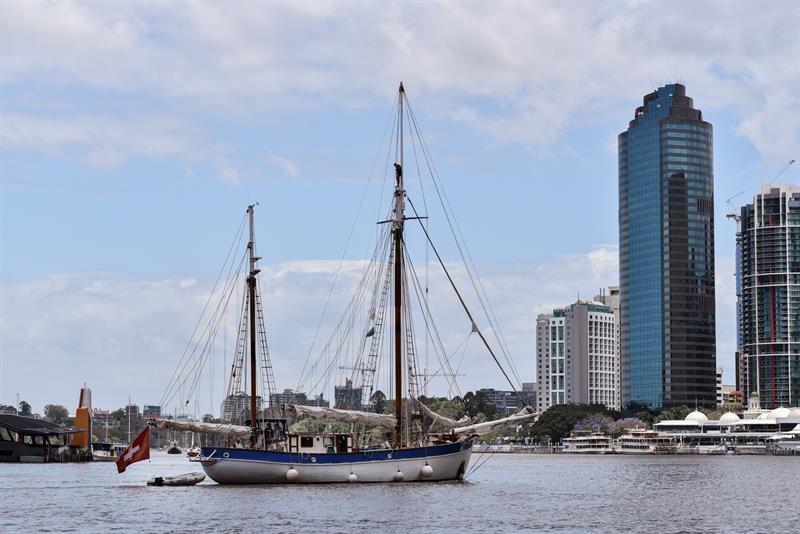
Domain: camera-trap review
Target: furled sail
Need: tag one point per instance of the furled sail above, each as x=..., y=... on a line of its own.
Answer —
x=490, y=426
x=347, y=416
x=235, y=431
x=441, y=420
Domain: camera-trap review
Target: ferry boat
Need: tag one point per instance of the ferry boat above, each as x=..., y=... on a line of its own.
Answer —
x=641, y=441
x=594, y=443
x=419, y=444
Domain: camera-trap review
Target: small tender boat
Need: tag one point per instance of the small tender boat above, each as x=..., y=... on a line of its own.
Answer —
x=187, y=479
x=174, y=449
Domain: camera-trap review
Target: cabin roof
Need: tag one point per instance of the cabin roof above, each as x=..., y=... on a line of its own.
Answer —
x=33, y=427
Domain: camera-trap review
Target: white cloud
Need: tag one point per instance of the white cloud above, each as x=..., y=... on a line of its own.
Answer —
x=288, y=166
x=228, y=175
x=519, y=73
x=101, y=140
x=124, y=336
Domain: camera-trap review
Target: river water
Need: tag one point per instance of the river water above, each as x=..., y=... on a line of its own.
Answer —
x=510, y=492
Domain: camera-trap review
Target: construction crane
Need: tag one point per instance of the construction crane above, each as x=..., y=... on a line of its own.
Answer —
x=791, y=162
x=733, y=214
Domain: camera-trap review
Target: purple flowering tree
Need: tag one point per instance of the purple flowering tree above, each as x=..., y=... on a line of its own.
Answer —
x=594, y=423
x=617, y=428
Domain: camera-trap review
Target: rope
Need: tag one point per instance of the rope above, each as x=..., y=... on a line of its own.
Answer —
x=464, y=304
x=455, y=230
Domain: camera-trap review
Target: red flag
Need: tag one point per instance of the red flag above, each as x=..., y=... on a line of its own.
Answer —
x=138, y=450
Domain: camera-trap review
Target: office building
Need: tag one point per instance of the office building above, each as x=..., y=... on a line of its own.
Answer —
x=666, y=234
x=769, y=301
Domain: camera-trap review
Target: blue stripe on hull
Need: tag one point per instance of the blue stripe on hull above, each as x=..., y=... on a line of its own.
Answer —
x=323, y=458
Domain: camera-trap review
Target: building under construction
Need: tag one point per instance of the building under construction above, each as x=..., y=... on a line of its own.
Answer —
x=768, y=253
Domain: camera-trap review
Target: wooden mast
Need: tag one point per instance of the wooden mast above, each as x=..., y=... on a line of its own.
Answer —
x=397, y=230
x=251, y=296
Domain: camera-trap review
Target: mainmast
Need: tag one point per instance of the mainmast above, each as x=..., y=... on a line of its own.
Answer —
x=397, y=231
x=251, y=296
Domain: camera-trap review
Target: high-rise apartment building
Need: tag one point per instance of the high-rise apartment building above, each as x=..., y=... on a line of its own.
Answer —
x=236, y=408
x=610, y=298
x=576, y=356
x=768, y=246
x=666, y=234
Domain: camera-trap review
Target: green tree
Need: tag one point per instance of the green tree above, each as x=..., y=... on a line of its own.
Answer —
x=558, y=421
x=645, y=416
x=470, y=404
x=673, y=414
x=485, y=407
x=25, y=409
x=56, y=413
x=378, y=400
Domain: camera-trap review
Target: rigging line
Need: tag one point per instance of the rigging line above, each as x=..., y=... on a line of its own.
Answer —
x=183, y=370
x=346, y=322
x=490, y=315
x=185, y=358
x=410, y=345
x=199, y=364
x=372, y=313
x=238, y=356
x=464, y=344
x=350, y=310
x=448, y=210
x=352, y=305
x=431, y=329
x=184, y=373
x=464, y=305
x=479, y=463
x=444, y=360
x=347, y=245
x=237, y=237
x=427, y=225
x=179, y=375
x=463, y=353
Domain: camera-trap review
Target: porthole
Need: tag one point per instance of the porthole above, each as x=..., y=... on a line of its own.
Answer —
x=389, y=456
x=313, y=459
x=226, y=454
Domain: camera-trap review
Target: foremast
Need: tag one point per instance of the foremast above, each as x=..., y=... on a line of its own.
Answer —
x=398, y=221
x=251, y=291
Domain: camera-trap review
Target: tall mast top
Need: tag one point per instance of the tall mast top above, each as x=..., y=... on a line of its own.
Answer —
x=251, y=243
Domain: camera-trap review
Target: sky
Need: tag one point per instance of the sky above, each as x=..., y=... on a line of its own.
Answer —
x=133, y=136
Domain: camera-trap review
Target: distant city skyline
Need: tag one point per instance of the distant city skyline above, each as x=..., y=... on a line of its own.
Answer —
x=133, y=136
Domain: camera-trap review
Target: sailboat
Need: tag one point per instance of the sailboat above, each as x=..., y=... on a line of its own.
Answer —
x=420, y=444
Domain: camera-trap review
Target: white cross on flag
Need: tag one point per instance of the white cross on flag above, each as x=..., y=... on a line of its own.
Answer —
x=139, y=449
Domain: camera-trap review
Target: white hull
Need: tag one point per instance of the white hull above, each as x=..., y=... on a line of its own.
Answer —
x=239, y=471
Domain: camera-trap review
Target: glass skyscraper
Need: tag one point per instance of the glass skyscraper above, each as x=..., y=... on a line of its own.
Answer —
x=666, y=235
